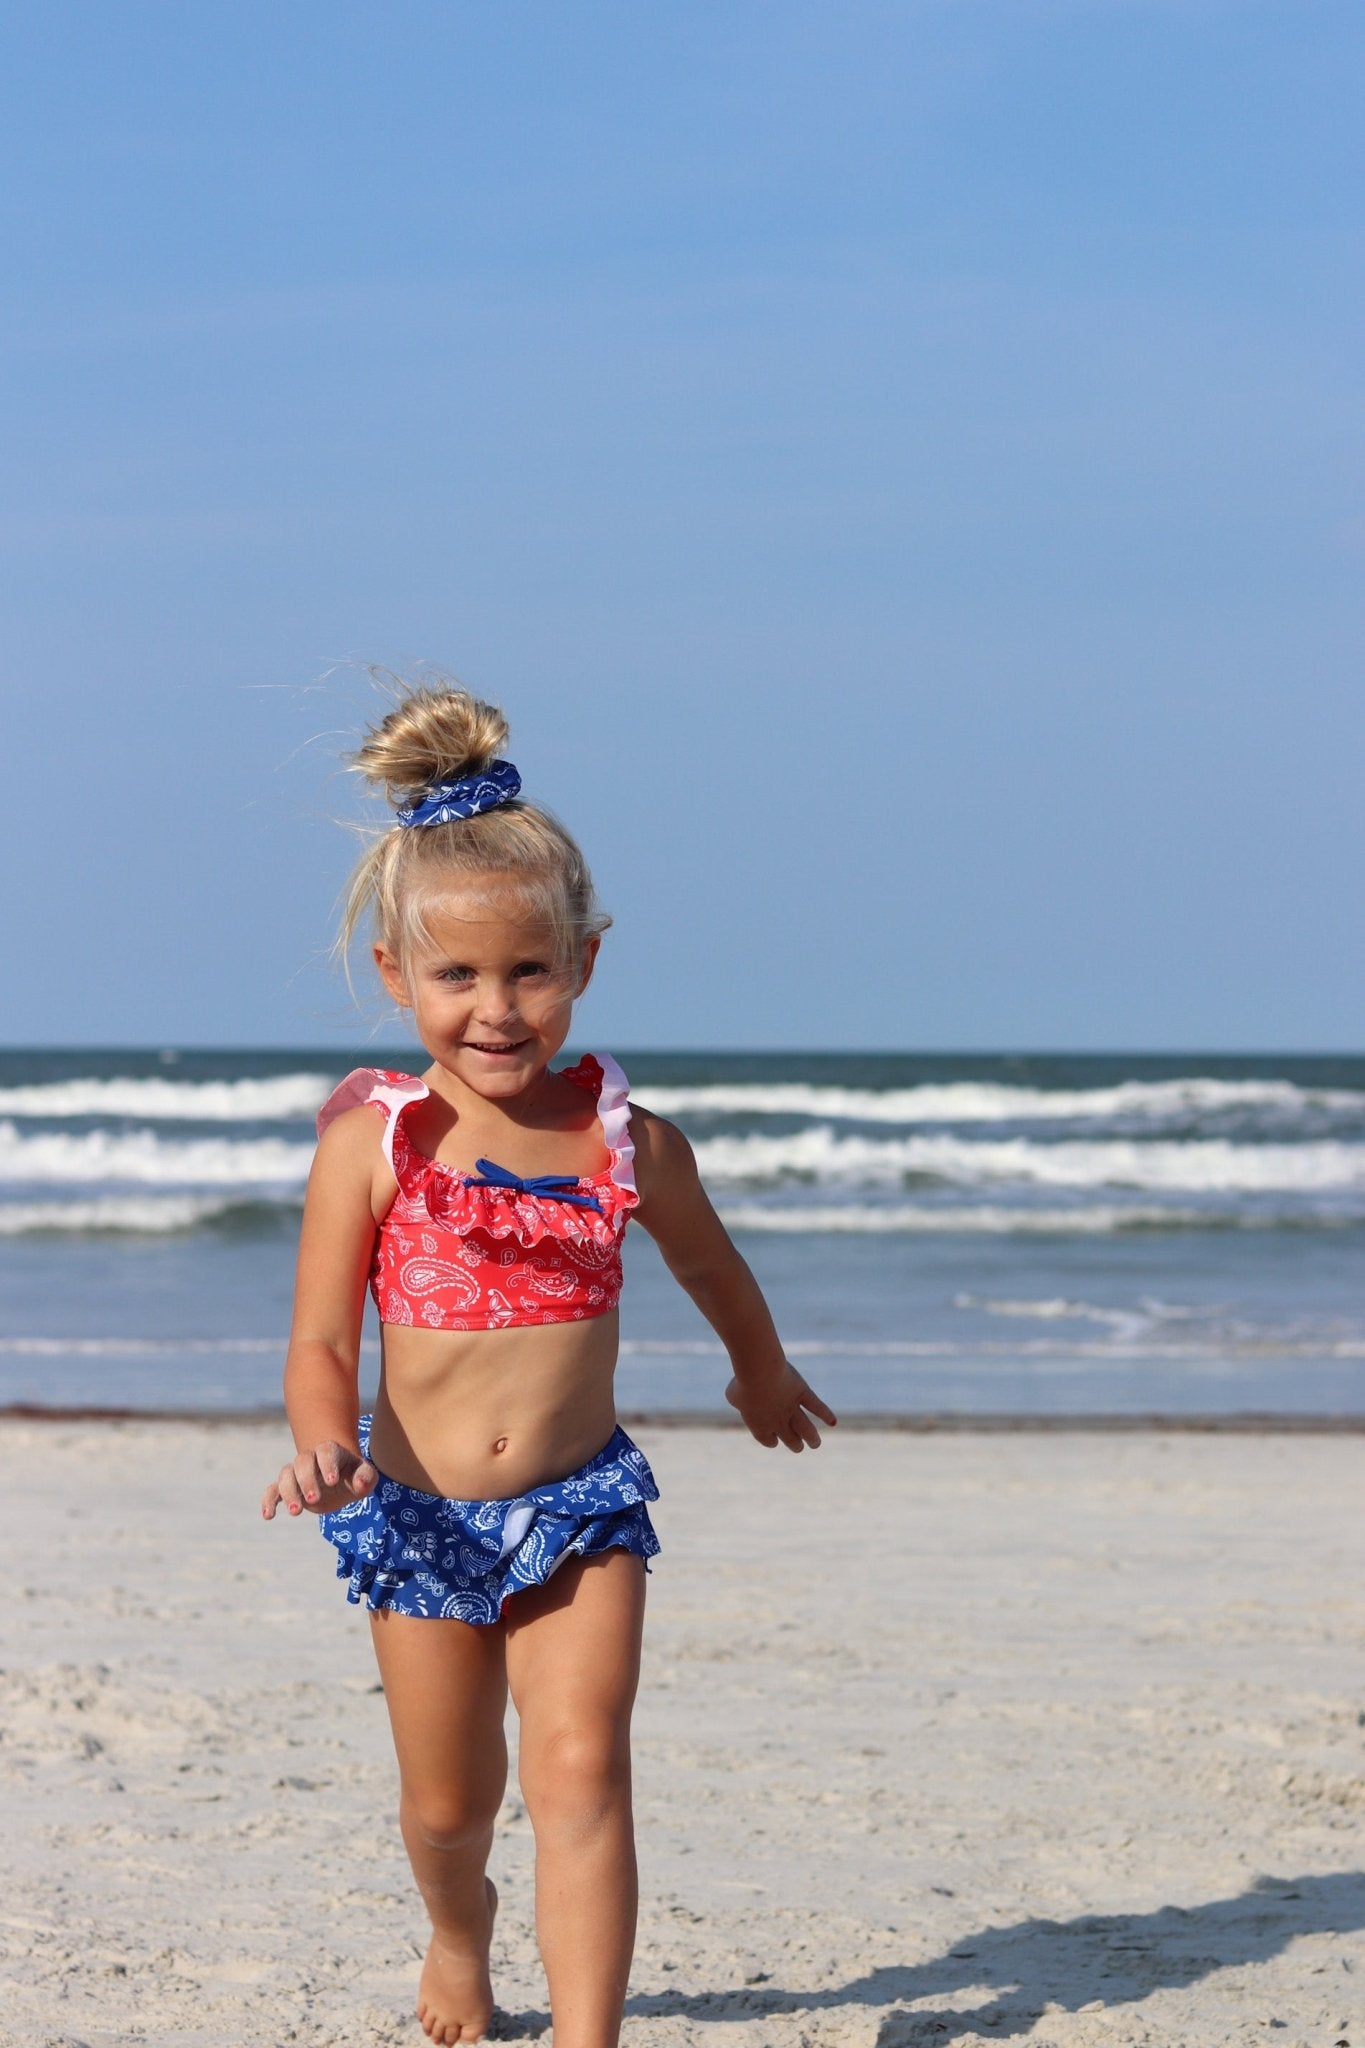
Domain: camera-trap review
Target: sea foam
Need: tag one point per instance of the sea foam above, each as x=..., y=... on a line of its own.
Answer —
x=278, y=1098
x=822, y=1157
x=131, y=1215
x=144, y=1157
x=296, y=1097
x=961, y=1102
x=818, y=1156
x=1097, y=1219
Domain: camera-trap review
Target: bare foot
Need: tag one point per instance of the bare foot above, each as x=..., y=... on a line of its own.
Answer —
x=455, y=1996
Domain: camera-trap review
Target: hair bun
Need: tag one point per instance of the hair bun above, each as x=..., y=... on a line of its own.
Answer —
x=431, y=736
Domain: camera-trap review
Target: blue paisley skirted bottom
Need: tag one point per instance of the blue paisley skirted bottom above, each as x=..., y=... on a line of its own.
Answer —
x=420, y=1553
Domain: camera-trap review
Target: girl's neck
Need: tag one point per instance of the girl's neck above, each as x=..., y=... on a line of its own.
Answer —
x=526, y=1108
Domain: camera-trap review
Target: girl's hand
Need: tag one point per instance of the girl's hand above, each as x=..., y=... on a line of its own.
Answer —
x=321, y=1480
x=778, y=1408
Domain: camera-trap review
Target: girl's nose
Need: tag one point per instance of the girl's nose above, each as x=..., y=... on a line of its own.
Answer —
x=496, y=1003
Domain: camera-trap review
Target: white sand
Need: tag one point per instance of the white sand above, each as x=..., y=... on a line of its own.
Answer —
x=942, y=1740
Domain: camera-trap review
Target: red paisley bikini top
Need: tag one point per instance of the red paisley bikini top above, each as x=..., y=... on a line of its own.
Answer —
x=489, y=1251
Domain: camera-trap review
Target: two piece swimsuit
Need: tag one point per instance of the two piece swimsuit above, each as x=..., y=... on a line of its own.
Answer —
x=490, y=1251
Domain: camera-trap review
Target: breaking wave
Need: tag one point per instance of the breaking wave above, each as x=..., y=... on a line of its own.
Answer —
x=281, y=1098
x=287, y=1098
x=141, y=1156
x=999, y=1220
x=133, y=1215
x=1207, y=1165
x=963, y=1102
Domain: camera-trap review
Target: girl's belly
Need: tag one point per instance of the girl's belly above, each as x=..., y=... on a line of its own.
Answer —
x=484, y=1414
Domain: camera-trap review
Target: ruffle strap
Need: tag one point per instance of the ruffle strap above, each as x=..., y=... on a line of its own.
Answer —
x=389, y=1091
x=502, y=1211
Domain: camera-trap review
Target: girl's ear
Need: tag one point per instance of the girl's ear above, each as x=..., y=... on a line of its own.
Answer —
x=391, y=974
x=591, y=948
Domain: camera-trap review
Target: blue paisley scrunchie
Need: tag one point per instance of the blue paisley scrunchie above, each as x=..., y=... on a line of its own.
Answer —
x=498, y=783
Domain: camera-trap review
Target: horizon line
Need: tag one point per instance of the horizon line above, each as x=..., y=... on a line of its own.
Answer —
x=978, y=1051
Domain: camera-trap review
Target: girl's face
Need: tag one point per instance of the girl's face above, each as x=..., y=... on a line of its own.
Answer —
x=489, y=1001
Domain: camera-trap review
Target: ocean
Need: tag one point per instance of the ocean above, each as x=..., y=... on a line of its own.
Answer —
x=1023, y=1234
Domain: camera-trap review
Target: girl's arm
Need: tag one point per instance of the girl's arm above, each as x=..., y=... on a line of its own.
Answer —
x=776, y=1403
x=321, y=1373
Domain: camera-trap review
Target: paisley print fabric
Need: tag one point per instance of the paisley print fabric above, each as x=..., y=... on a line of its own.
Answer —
x=422, y=1554
x=458, y=1254
x=498, y=783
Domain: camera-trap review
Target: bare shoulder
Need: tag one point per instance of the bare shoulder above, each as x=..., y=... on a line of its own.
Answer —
x=354, y=1135
x=673, y=1202
x=661, y=1150
x=349, y=1163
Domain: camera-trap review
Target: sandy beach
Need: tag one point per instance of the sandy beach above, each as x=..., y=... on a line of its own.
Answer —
x=943, y=1739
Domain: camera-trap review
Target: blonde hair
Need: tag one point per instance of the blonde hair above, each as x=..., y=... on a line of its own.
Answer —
x=433, y=735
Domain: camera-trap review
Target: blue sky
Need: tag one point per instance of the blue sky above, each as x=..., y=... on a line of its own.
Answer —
x=898, y=464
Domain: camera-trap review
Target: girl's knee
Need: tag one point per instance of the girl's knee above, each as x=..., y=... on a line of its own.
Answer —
x=449, y=1817
x=577, y=1773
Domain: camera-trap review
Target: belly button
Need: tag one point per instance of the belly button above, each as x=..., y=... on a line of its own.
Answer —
x=501, y=1444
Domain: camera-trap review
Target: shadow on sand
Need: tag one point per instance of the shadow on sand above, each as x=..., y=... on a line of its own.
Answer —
x=1098, y=1960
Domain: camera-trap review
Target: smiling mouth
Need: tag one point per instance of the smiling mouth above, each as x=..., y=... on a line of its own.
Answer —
x=476, y=1045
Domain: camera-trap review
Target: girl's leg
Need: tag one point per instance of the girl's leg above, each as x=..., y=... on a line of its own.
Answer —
x=445, y=1684
x=573, y=1660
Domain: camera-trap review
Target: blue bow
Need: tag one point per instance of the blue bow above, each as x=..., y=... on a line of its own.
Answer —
x=556, y=1187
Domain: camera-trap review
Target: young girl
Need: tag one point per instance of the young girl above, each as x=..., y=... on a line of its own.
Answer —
x=491, y=1512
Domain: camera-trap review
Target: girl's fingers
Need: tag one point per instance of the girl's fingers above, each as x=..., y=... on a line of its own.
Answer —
x=306, y=1471
x=809, y=1399
x=287, y=1486
x=314, y=1472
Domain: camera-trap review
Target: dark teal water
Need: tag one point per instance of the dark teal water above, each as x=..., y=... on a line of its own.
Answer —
x=1059, y=1233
